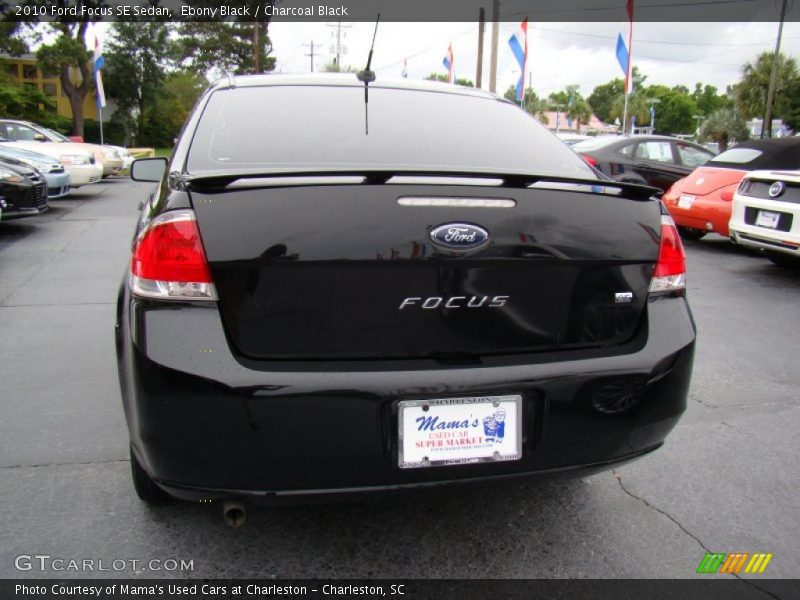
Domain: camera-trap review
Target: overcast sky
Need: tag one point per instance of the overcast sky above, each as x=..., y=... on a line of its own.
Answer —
x=559, y=54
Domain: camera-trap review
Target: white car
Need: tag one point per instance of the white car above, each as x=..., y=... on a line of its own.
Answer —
x=81, y=166
x=127, y=159
x=32, y=134
x=766, y=215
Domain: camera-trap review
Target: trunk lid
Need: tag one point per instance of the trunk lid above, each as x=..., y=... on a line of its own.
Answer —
x=350, y=272
x=705, y=180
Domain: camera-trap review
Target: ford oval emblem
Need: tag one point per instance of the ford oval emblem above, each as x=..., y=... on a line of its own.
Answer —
x=776, y=189
x=459, y=236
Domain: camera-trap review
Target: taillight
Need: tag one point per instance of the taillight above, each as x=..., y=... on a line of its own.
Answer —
x=169, y=261
x=590, y=160
x=670, y=271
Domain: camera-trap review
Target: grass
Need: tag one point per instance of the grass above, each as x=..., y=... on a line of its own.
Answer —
x=165, y=152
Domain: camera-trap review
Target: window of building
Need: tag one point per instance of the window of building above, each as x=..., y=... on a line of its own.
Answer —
x=13, y=69
x=29, y=72
x=50, y=89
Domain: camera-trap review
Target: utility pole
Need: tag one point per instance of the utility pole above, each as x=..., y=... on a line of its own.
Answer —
x=495, y=36
x=338, y=49
x=481, y=27
x=773, y=76
x=311, y=54
x=256, y=48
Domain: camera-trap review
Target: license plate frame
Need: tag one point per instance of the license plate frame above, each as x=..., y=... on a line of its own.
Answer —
x=466, y=433
x=686, y=201
x=768, y=219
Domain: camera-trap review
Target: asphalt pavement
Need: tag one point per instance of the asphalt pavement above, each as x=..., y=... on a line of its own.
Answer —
x=727, y=479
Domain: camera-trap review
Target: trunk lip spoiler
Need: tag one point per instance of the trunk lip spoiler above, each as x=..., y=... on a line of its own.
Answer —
x=217, y=180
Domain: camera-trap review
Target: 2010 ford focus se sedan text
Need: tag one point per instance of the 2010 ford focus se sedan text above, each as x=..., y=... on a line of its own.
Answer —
x=346, y=285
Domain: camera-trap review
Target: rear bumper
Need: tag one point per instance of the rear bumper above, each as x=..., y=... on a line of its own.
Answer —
x=706, y=215
x=111, y=166
x=206, y=425
x=787, y=242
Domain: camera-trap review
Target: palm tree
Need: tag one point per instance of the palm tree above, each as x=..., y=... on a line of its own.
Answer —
x=751, y=91
x=580, y=112
x=723, y=126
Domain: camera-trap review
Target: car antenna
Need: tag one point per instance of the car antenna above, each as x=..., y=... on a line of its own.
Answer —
x=368, y=77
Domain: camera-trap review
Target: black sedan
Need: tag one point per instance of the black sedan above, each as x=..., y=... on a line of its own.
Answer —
x=23, y=191
x=408, y=293
x=654, y=160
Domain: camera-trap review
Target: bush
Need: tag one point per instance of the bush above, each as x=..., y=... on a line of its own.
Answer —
x=113, y=132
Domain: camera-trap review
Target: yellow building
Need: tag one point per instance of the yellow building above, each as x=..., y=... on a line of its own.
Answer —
x=25, y=70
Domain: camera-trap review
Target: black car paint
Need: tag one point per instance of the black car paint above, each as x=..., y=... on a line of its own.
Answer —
x=618, y=166
x=27, y=198
x=208, y=420
x=558, y=259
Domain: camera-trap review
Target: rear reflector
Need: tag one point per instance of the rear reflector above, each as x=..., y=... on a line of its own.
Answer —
x=670, y=271
x=169, y=261
x=590, y=160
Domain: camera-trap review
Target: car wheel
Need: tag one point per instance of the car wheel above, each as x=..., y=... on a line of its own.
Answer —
x=784, y=260
x=691, y=234
x=145, y=487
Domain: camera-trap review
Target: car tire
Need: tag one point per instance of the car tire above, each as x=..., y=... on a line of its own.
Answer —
x=147, y=489
x=783, y=260
x=688, y=233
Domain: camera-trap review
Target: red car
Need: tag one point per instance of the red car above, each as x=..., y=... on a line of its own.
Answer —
x=701, y=203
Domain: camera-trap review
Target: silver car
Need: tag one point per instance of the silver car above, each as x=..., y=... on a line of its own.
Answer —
x=54, y=173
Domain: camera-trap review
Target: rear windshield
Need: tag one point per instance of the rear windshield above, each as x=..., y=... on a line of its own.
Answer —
x=595, y=143
x=284, y=128
x=739, y=156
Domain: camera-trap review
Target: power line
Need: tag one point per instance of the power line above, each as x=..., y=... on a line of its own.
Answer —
x=640, y=41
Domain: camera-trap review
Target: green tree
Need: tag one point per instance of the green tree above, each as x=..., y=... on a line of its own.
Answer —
x=332, y=67
x=708, y=100
x=66, y=52
x=751, y=91
x=20, y=101
x=723, y=126
x=675, y=109
x=11, y=38
x=570, y=102
x=605, y=98
x=580, y=112
x=223, y=47
x=532, y=103
x=637, y=107
x=182, y=89
x=444, y=79
x=137, y=58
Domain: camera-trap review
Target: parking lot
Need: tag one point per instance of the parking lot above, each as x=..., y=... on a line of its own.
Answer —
x=726, y=480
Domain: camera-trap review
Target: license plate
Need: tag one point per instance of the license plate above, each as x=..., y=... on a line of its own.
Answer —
x=768, y=219
x=685, y=201
x=451, y=431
